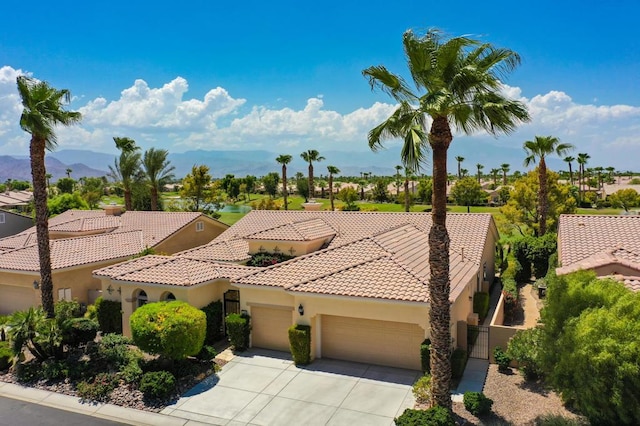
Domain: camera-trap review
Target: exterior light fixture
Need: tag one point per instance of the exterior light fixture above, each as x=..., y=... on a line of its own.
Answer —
x=110, y=289
x=261, y=249
x=36, y=285
x=301, y=309
x=276, y=250
x=292, y=250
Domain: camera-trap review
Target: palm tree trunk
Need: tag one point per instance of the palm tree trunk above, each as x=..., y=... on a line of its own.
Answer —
x=127, y=199
x=38, y=174
x=312, y=193
x=542, y=197
x=331, y=191
x=407, y=207
x=154, y=198
x=439, y=284
x=504, y=177
x=284, y=186
x=570, y=174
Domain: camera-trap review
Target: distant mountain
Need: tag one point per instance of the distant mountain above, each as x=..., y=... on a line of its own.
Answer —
x=20, y=168
x=239, y=163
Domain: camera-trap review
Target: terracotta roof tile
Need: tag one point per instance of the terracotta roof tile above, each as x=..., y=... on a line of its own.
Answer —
x=582, y=236
x=67, y=252
x=171, y=270
x=224, y=251
x=304, y=230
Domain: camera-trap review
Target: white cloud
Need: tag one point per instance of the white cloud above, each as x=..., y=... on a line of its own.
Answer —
x=166, y=117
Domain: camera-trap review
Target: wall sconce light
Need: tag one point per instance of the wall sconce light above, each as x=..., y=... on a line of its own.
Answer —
x=292, y=251
x=261, y=249
x=301, y=310
x=276, y=250
x=36, y=285
x=110, y=289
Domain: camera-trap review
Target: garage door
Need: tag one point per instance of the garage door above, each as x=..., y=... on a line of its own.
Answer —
x=269, y=328
x=16, y=299
x=395, y=344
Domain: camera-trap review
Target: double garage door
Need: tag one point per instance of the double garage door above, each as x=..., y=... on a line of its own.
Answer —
x=14, y=298
x=395, y=344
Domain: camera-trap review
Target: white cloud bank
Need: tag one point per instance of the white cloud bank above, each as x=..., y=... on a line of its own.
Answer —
x=165, y=117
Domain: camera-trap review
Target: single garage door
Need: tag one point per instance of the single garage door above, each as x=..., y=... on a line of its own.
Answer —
x=14, y=298
x=269, y=327
x=395, y=344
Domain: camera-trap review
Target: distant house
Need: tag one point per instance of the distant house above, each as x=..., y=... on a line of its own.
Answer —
x=607, y=245
x=13, y=223
x=84, y=240
x=18, y=200
x=360, y=279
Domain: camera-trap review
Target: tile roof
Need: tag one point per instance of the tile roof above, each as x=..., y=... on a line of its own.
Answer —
x=67, y=252
x=582, y=236
x=468, y=231
x=171, y=270
x=304, y=230
x=122, y=236
x=619, y=256
x=224, y=251
x=392, y=265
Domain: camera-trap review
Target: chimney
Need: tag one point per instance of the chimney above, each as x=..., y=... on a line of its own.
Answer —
x=113, y=210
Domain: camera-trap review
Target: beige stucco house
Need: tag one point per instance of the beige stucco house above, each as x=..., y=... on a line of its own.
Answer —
x=607, y=245
x=85, y=240
x=360, y=279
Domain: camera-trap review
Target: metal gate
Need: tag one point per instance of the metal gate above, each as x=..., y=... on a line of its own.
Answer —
x=478, y=341
x=231, y=302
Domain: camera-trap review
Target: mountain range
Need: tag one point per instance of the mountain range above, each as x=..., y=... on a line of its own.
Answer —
x=85, y=163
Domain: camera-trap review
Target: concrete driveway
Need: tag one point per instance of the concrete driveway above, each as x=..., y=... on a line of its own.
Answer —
x=261, y=387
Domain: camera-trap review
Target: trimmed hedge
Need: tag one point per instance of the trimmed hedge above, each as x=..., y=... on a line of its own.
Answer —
x=238, y=330
x=300, y=343
x=481, y=304
x=157, y=384
x=425, y=356
x=109, y=313
x=213, y=311
x=436, y=416
x=174, y=329
x=477, y=403
x=77, y=331
x=458, y=362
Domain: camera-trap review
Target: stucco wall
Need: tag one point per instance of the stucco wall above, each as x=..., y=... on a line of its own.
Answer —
x=499, y=335
x=299, y=247
x=14, y=224
x=188, y=237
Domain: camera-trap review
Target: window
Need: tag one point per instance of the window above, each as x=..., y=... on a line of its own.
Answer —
x=142, y=298
x=199, y=226
x=1, y=217
x=64, y=294
x=168, y=297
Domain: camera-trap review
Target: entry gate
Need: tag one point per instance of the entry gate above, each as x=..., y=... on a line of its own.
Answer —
x=478, y=341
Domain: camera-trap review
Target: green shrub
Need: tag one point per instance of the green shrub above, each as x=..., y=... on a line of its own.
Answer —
x=481, y=304
x=27, y=372
x=132, y=372
x=157, y=384
x=6, y=356
x=238, y=330
x=207, y=353
x=66, y=309
x=213, y=311
x=556, y=420
x=267, y=259
x=425, y=356
x=458, y=362
x=54, y=370
x=77, y=331
x=172, y=329
x=477, y=403
x=114, y=349
x=502, y=359
x=422, y=389
x=436, y=416
x=109, y=313
x=99, y=388
x=300, y=343
x=525, y=348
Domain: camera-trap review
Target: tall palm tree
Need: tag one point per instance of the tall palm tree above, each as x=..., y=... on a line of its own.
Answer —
x=407, y=196
x=505, y=169
x=494, y=176
x=126, y=167
x=310, y=156
x=333, y=170
x=284, y=159
x=68, y=172
x=569, y=159
x=43, y=111
x=537, y=150
x=459, y=159
x=610, y=171
x=479, y=167
x=460, y=80
x=599, y=171
x=582, y=160
x=158, y=171
x=398, y=168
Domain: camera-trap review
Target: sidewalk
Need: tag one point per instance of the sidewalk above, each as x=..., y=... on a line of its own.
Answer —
x=473, y=378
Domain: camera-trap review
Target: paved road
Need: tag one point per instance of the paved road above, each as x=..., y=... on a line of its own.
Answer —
x=14, y=412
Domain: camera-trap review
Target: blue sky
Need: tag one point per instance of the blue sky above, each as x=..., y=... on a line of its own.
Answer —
x=286, y=76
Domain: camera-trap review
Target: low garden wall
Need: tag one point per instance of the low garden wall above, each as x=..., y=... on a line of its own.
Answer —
x=499, y=335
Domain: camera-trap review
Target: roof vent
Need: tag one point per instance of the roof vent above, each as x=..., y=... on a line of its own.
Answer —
x=113, y=210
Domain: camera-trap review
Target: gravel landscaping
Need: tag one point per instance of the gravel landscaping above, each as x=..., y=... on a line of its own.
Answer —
x=515, y=401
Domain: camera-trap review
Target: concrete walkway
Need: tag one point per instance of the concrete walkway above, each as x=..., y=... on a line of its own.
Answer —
x=473, y=378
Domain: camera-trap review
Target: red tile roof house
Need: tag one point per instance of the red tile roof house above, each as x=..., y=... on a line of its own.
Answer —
x=84, y=240
x=360, y=279
x=607, y=245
